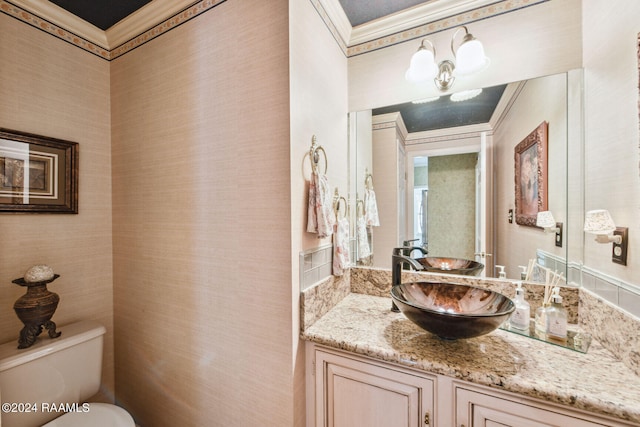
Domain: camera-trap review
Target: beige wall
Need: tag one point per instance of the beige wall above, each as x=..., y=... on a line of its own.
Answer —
x=202, y=221
x=51, y=88
x=612, y=176
x=318, y=106
x=542, y=99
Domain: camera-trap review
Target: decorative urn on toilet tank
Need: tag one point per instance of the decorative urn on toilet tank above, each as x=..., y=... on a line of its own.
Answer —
x=35, y=308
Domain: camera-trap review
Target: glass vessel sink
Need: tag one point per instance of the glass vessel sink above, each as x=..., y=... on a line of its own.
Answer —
x=451, y=265
x=452, y=311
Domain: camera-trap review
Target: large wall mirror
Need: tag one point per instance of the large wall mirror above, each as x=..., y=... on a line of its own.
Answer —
x=443, y=173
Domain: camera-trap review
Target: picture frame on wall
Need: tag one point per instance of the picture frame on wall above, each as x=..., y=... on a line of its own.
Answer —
x=531, y=170
x=38, y=174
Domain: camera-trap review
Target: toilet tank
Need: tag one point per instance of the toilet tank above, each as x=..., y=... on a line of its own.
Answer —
x=51, y=372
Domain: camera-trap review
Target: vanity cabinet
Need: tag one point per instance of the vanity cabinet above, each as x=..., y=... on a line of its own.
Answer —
x=354, y=393
x=348, y=390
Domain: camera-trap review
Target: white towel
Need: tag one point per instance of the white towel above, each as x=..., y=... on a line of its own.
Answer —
x=363, y=239
x=371, y=208
x=320, y=217
x=341, y=257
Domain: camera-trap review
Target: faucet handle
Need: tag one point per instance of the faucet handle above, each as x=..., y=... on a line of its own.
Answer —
x=399, y=251
x=483, y=254
x=408, y=242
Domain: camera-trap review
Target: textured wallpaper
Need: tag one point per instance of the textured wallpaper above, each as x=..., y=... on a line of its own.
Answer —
x=451, y=206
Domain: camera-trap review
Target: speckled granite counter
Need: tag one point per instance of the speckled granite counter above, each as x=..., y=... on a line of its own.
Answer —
x=596, y=382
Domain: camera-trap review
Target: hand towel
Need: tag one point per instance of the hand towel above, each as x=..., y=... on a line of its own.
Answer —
x=341, y=257
x=371, y=208
x=364, y=250
x=320, y=217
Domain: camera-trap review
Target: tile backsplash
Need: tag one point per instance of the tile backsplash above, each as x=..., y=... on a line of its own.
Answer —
x=616, y=291
x=315, y=265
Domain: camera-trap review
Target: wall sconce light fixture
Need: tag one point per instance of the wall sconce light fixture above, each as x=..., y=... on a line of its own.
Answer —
x=469, y=57
x=546, y=221
x=600, y=223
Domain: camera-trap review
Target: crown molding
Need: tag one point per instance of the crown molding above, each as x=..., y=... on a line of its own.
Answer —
x=132, y=26
x=398, y=22
x=390, y=120
x=63, y=19
x=413, y=17
x=338, y=18
x=508, y=98
x=143, y=19
x=454, y=133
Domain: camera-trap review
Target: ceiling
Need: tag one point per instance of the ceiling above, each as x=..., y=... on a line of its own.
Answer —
x=445, y=113
x=105, y=13
x=101, y=13
x=362, y=11
x=442, y=113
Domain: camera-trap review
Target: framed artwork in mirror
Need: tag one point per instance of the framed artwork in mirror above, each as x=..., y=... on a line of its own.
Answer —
x=531, y=175
x=38, y=174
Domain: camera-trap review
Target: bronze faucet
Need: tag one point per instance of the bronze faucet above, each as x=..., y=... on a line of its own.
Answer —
x=397, y=261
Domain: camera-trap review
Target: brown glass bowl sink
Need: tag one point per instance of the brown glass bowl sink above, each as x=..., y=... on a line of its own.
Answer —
x=452, y=311
x=451, y=265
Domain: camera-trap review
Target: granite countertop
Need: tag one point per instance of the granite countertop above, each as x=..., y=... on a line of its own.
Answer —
x=596, y=381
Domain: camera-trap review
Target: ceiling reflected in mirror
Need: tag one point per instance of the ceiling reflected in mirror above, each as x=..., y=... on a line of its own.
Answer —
x=444, y=113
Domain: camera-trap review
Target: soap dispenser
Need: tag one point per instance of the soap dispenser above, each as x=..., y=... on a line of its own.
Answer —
x=523, y=272
x=501, y=273
x=556, y=317
x=521, y=315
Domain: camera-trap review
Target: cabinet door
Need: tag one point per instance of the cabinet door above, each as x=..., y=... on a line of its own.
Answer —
x=353, y=393
x=475, y=409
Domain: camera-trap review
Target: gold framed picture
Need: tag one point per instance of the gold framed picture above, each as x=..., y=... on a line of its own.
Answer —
x=531, y=175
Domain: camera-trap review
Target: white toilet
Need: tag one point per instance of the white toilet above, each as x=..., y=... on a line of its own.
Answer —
x=38, y=383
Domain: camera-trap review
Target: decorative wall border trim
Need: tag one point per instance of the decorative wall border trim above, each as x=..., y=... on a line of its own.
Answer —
x=445, y=138
x=454, y=20
x=175, y=21
x=48, y=27
x=190, y=12
x=166, y=25
x=485, y=12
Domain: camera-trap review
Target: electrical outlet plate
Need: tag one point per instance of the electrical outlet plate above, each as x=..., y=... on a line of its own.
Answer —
x=559, y=234
x=619, y=252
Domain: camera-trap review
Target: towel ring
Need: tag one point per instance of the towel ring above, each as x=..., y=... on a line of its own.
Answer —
x=368, y=180
x=314, y=155
x=337, y=198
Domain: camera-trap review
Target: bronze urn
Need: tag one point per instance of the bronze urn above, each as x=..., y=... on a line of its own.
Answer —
x=35, y=309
